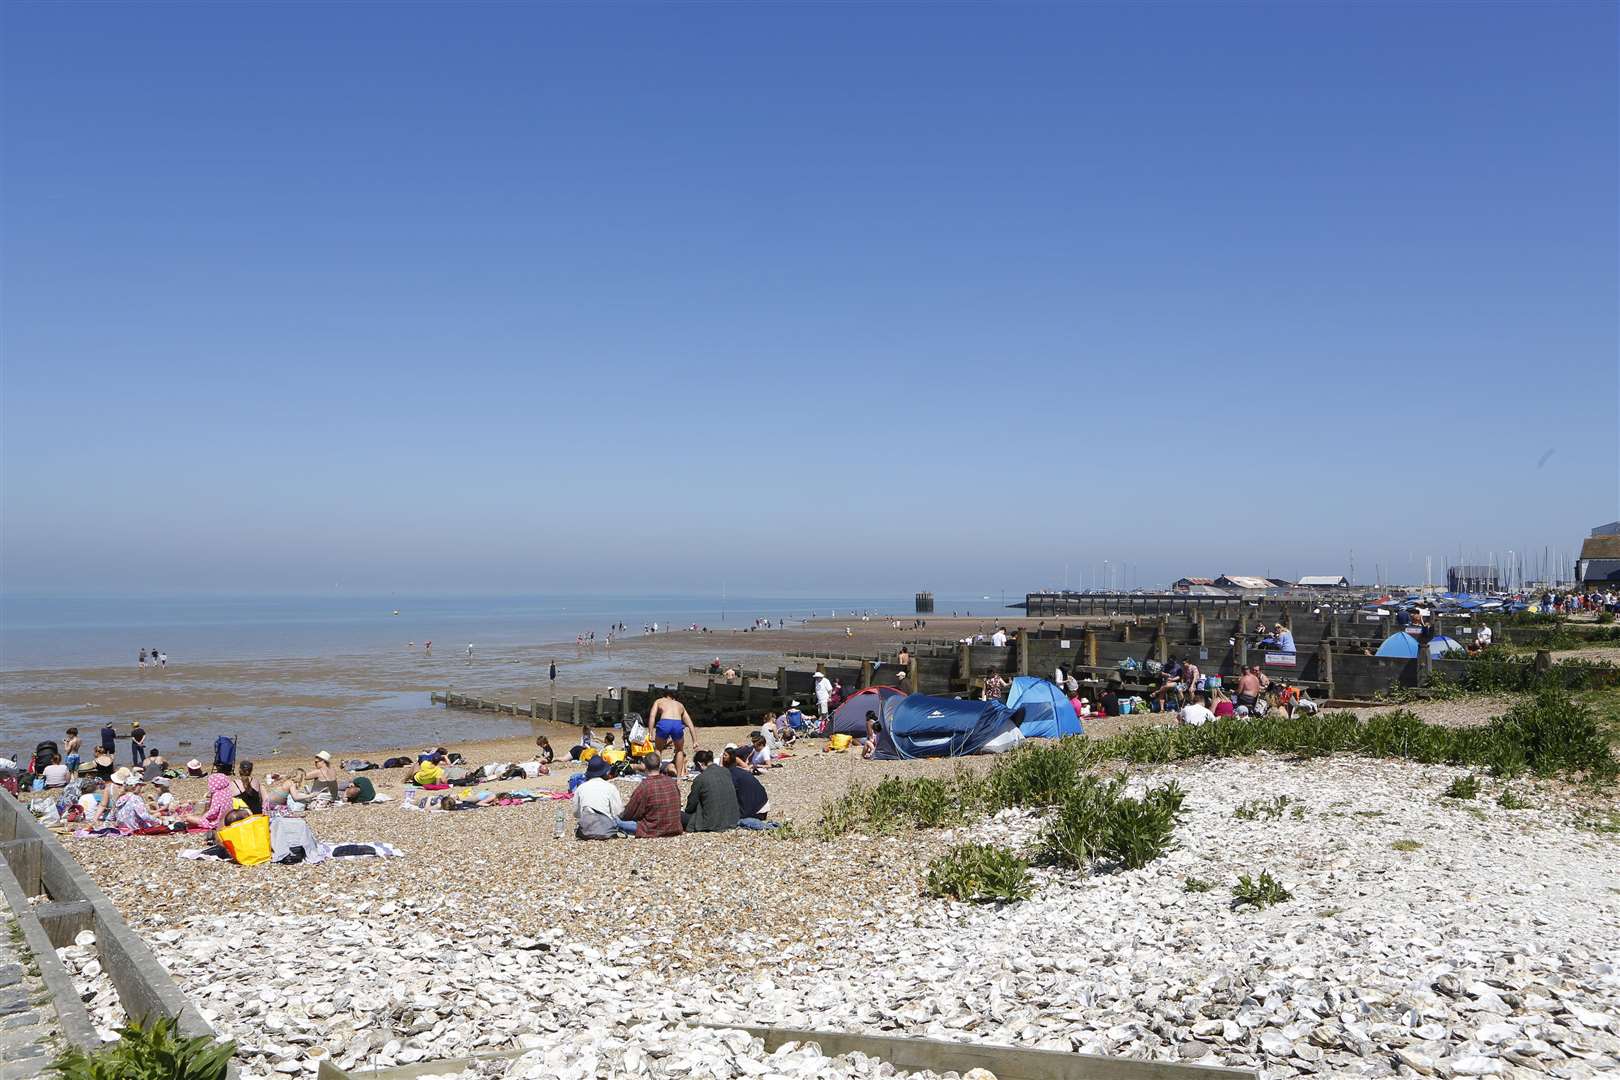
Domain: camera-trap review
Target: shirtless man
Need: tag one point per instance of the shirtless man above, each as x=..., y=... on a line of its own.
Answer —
x=672, y=725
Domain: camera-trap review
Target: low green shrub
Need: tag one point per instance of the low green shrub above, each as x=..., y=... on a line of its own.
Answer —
x=1406, y=845
x=1193, y=884
x=150, y=1052
x=1259, y=892
x=980, y=873
x=1463, y=787
x=1137, y=831
x=1510, y=800
x=1556, y=734
x=1075, y=836
x=1262, y=809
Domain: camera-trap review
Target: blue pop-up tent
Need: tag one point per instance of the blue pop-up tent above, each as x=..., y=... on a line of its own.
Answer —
x=923, y=726
x=850, y=717
x=1048, y=714
x=1405, y=646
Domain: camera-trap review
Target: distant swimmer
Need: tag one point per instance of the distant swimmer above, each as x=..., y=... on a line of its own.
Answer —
x=672, y=724
x=469, y=652
x=163, y=659
x=427, y=646
x=142, y=661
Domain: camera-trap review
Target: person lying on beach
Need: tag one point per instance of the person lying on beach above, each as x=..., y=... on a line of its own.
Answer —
x=220, y=793
x=672, y=726
x=427, y=772
x=360, y=790
x=654, y=809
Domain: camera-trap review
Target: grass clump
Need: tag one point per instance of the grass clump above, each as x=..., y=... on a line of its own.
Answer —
x=1262, y=809
x=1600, y=821
x=150, y=1052
x=1464, y=787
x=1259, y=892
x=1097, y=821
x=1510, y=800
x=1406, y=845
x=980, y=874
x=1193, y=884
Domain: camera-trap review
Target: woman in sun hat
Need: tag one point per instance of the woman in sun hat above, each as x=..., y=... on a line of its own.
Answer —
x=194, y=767
x=131, y=811
x=220, y=793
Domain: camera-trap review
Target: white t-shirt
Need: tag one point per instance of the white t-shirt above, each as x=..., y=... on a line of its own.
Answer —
x=531, y=769
x=599, y=795
x=1196, y=714
x=56, y=775
x=823, y=691
x=1484, y=635
x=998, y=639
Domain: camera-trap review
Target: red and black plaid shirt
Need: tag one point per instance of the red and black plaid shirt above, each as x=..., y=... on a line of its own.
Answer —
x=655, y=807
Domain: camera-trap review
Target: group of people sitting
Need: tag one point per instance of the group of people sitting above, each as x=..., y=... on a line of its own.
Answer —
x=724, y=795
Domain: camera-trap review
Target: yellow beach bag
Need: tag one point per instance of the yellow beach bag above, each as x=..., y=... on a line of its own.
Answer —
x=838, y=742
x=248, y=840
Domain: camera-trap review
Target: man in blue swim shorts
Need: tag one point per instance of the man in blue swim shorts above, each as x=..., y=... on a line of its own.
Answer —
x=672, y=726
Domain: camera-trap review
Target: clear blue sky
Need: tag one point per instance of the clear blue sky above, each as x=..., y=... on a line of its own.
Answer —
x=837, y=298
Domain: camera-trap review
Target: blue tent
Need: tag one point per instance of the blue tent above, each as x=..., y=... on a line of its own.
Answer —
x=1047, y=711
x=923, y=726
x=1405, y=646
x=850, y=717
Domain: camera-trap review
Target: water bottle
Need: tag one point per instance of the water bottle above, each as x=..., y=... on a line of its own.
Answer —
x=559, y=820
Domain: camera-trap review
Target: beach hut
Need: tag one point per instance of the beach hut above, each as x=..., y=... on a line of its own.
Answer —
x=1404, y=645
x=921, y=726
x=850, y=717
x=1047, y=711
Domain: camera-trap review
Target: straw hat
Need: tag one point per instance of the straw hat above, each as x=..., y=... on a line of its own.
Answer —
x=120, y=776
x=325, y=756
x=104, y=760
x=193, y=765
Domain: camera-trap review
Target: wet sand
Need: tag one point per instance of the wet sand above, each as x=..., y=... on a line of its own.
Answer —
x=379, y=701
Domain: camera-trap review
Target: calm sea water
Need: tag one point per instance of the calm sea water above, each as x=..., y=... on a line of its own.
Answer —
x=346, y=674
x=68, y=632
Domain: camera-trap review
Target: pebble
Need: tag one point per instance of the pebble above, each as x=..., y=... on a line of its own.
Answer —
x=1493, y=949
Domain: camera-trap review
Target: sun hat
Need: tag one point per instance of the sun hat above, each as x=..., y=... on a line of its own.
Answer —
x=193, y=765
x=120, y=776
x=793, y=705
x=161, y=781
x=104, y=760
x=325, y=756
x=596, y=768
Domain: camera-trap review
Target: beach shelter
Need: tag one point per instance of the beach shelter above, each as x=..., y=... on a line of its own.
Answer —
x=850, y=717
x=922, y=726
x=1404, y=645
x=1047, y=711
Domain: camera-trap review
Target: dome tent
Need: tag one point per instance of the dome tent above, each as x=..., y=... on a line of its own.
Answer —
x=1405, y=646
x=922, y=726
x=850, y=717
x=1048, y=713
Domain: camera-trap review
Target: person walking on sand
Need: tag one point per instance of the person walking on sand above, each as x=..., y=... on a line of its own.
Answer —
x=469, y=652
x=142, y=661
x=672, y=726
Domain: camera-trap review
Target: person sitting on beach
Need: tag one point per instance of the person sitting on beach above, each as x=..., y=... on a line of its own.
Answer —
x=131, y=811
x=193, y=768
x=247, y=789
x=794, y=718
x=220, y=793
x=1197, y=712
x=753, y=804
x=360, y=790
x=873, y=727
x=1249, y=687
x=1110, y=697
x=108, y=798
x=598, y=807
x=672, y=726
x=587, y=741
x=760, y=757
x=711, y=805
x=428, y=774
x=1222, y=705
x=609, y=752
x=56, y=774
x=714, y=666
x=544, y=753
x=325, y=776
x=155, y=764
x=654, y=809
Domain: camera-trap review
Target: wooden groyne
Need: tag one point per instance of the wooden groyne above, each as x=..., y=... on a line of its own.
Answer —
x=1333, y=658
